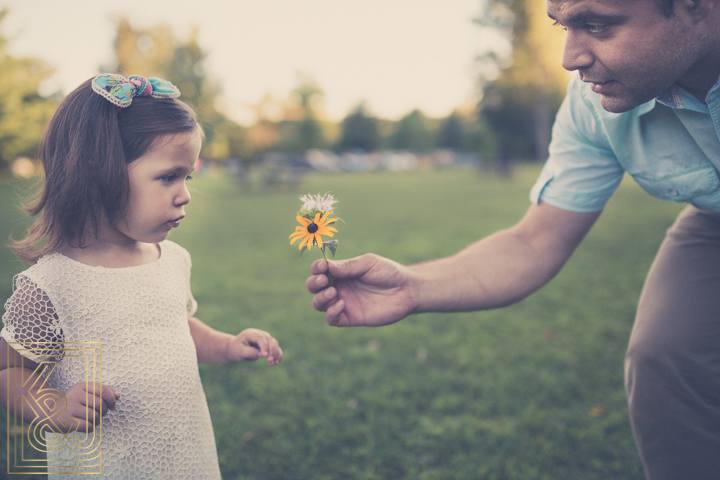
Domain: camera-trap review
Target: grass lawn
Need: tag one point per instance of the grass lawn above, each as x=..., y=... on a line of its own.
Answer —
x=531, y=391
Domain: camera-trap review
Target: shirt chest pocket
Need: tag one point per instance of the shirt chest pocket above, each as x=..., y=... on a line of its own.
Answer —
x=682, y=186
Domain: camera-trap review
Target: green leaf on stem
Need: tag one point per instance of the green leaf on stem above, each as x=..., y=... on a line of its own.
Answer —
x=331, y=245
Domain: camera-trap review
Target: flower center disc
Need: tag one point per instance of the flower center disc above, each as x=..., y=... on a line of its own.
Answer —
x=312, y=228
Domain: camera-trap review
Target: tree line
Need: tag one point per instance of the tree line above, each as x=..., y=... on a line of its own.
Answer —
x=520, y=94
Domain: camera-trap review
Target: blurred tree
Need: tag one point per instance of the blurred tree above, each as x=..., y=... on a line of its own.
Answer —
x=295, y=122
x=146, y=52
x=309, y=97
x=359, y=131
x=479, y=138
x=411, y=133
x=156, y=52
x=263, y=134
x=311, y=134
x=521, y=102
x=451, y=133
x=23, y=111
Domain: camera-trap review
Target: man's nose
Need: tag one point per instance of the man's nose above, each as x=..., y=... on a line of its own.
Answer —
x=576, y=55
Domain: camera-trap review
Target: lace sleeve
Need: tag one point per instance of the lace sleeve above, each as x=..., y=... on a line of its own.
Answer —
x=30, y=320
x=191, y=306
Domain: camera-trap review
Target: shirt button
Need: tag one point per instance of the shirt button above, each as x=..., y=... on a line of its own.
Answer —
x=674, y=192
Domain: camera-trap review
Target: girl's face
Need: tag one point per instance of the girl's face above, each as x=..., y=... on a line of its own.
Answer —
x=158, y=187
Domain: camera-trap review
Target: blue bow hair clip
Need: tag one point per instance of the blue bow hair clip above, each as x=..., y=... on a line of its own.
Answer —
x=120, y=90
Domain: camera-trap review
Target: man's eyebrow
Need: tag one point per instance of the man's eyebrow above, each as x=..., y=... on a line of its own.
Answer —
x=586, y=15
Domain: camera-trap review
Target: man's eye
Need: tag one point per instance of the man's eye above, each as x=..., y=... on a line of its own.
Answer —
x=595, y=27
x=556, y=24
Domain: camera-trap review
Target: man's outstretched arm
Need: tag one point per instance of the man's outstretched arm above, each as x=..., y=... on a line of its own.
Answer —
x=498, y=270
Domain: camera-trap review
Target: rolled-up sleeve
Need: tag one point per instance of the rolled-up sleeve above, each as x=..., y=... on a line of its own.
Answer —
x=581, y=172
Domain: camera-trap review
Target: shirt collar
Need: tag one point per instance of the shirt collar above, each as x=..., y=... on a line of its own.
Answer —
x=671, y=97
x=677, y=97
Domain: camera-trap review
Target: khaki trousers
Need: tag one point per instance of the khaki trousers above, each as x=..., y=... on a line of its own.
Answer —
x=672, y=367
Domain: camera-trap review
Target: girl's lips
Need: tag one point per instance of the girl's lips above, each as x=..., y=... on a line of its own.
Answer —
x=175, y=223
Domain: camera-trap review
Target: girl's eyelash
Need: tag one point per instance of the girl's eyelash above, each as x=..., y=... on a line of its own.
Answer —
x=172, y=177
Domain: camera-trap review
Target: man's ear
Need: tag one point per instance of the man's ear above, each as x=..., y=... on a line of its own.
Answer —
x=697, y=10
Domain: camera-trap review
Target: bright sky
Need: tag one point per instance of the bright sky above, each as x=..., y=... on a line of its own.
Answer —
x=395, y=55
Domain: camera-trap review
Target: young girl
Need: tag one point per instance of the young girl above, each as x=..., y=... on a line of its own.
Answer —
x=107, y=285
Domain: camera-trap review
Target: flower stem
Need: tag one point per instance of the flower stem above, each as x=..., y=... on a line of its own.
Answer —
x=331, y=280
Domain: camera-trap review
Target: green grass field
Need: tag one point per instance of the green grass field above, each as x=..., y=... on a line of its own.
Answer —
x=532, y=391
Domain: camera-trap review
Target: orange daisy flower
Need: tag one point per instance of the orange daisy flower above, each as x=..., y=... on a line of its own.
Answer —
x=312, y=231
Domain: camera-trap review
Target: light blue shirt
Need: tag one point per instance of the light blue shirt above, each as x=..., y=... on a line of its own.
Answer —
x=669, y=145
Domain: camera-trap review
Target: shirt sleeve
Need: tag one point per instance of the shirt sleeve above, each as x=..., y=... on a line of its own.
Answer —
x=582, y=172
x=31, y=326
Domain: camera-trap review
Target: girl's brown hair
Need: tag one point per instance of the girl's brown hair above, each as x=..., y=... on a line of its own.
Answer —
x=85, y=152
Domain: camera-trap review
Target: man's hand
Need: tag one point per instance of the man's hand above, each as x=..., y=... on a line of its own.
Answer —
x=251, y=344
x=496, y=271
x=369, y=291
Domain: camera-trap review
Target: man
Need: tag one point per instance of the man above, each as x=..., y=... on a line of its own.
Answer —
x=646, y=102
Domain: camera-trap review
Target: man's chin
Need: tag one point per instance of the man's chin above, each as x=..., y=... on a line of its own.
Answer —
x=623, y=103
x=617, y=104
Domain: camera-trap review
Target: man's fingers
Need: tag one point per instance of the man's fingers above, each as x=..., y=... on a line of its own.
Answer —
x=336, y=268
x=316, y=283
x=318, y=267
x=334, y=313
x=321, y=301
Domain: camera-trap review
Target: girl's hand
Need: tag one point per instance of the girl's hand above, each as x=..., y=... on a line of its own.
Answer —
x=86, y=404
x=251, y=344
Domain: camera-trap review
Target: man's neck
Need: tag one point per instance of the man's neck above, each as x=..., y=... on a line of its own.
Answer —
x=704, y=73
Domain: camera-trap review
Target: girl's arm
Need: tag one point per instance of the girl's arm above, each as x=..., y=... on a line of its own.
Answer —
x=218, y=347
x=21, y=379
x=84, y=403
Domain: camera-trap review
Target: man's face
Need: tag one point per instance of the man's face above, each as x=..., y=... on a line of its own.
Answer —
x=626, y=49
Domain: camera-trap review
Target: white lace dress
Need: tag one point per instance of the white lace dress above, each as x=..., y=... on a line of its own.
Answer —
x=161, y=427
